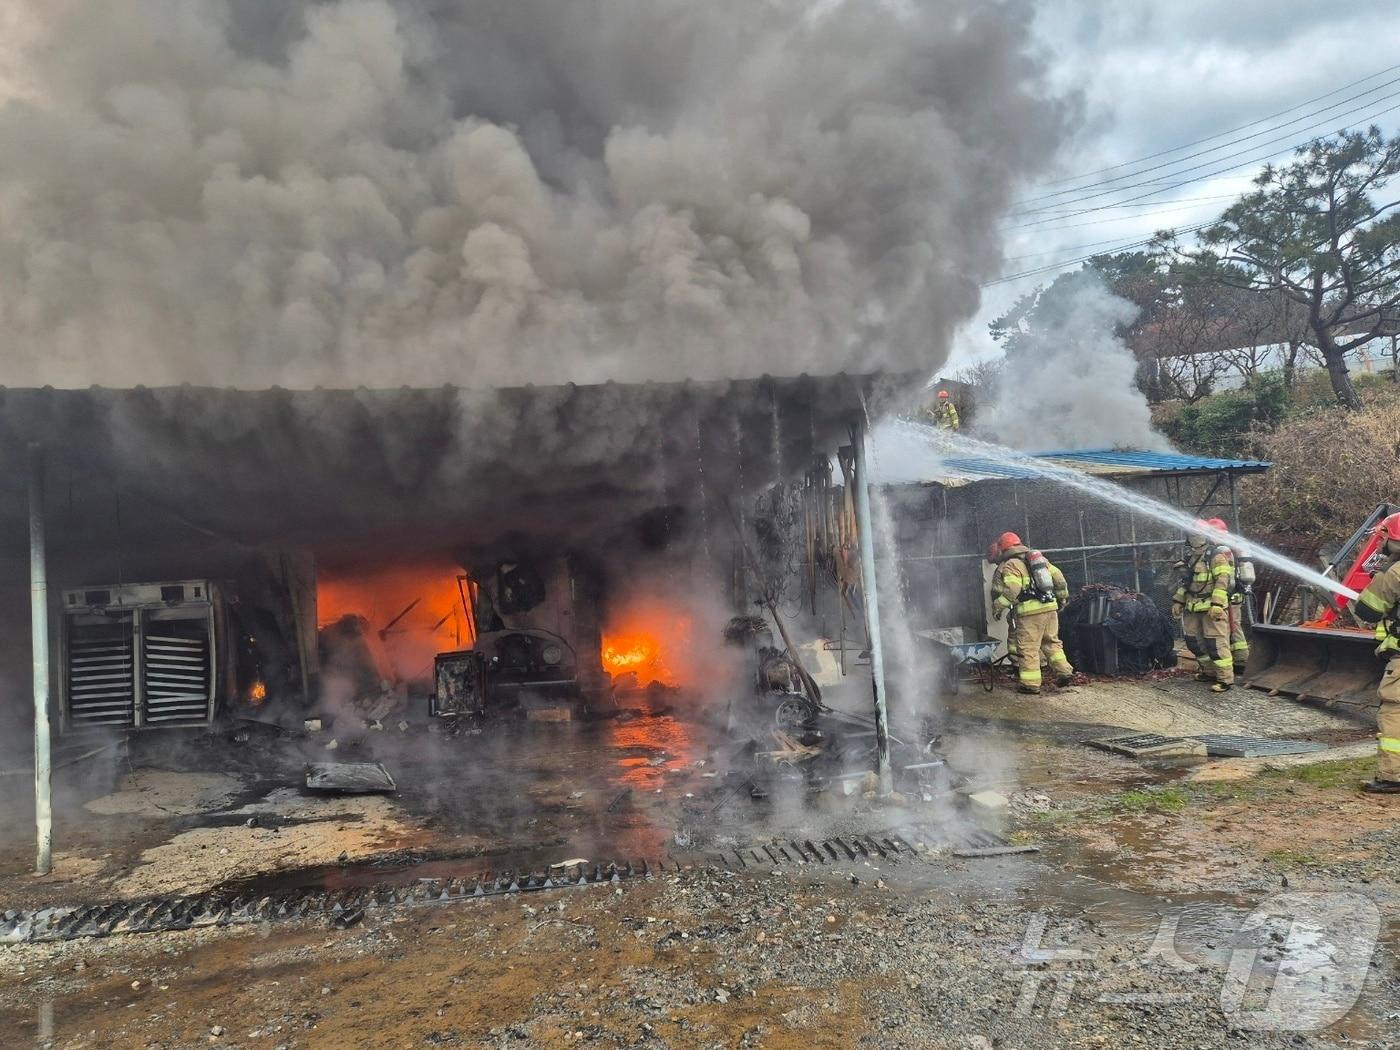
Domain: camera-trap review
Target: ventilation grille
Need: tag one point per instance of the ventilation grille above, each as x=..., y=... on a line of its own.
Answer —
x=176, y=677
x=101, y=686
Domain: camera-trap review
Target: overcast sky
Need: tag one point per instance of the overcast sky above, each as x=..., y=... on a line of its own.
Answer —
x=1158, y=75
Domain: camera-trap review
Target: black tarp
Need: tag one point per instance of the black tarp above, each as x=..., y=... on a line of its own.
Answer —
x=1110, y=630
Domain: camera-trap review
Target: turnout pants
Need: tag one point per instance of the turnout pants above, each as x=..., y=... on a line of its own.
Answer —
x=1034, y=637
x=1209, y=642
x=1239, y=644
x=1388, y=723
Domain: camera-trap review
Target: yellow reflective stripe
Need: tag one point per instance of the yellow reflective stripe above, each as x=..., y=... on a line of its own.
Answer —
x=1220, y=597
x=1032, y=606
x=1390, y=744
x=1222, y=570
x=1240, y=646
x=1224, y=662
x=1201, y=577
x=1197, y=607
x=1030, y=677
x=1373, y=601
x=1002, y=602
x=1012, y=577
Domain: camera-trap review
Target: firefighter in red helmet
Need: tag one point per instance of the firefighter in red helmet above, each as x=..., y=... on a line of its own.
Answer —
x=1379, y=606
x=1202, y=600
x=1243, y=580
x=1033, y=591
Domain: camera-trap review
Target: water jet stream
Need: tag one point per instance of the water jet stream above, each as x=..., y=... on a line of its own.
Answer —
x=948, y=445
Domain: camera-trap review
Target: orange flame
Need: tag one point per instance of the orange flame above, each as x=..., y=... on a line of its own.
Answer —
x=639, y=653
x=417, y=607
x=650, y=640
x=258, y=693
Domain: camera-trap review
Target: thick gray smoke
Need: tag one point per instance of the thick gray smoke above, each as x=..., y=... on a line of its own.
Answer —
x=486, y=192
x=1072, y=381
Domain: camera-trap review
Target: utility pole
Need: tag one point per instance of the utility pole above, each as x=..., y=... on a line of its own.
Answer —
x=39, y=627
x=872, y=608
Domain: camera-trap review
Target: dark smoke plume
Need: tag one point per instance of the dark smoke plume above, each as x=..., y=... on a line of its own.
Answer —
x=489, y=192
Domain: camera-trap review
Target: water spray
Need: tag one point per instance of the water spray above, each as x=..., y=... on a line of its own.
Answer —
x=947, y=444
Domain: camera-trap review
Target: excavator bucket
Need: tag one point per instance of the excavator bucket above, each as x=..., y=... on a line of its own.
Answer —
x=1337, y=667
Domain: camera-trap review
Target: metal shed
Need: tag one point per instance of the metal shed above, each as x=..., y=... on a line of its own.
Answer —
x=944, y=521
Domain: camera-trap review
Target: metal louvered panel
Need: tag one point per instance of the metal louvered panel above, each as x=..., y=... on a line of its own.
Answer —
x=101, y=678
x=175, y=673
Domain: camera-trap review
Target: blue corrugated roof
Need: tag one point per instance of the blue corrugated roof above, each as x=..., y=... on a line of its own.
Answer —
x=1154, y=461
x=1107, y=460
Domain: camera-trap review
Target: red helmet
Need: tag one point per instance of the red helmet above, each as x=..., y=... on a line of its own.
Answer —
x=1390, y=527
x=1006, y=541
x=943, y=395
x=1218, y=524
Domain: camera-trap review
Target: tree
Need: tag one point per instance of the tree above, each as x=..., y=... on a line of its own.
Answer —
x=1311, y=232
x=1134, y=276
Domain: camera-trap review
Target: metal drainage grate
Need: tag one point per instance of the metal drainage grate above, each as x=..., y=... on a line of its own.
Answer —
x=1150, y=745
x=879, y=847
x=1224, y=745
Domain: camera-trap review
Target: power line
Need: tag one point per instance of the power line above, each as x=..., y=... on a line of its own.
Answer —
x=1223, y=145
x=1228, y=156
x=1189, y=204
x=1057, y=251
x=1053, y=267
x=1199, y=178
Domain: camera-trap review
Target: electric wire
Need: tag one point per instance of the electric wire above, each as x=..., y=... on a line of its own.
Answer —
x=1222, y=134
x=1233, y=142
x=1022, y=212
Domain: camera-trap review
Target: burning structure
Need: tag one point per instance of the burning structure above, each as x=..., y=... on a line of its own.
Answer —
x=679, y=199
x=545, y=512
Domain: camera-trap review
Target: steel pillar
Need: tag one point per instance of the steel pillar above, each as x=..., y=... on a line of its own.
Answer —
x=39, y=644
x=872, y=608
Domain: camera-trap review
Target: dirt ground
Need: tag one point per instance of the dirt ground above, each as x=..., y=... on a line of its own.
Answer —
x=1129, y=927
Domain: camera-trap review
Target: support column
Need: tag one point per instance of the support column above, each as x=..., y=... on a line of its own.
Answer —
x=39, y=626
x=872, y=608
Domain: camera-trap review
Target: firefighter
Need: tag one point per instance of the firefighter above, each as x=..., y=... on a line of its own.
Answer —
x=1033, y=591
x=1202, y=600
x=1379, y=605
x=1239, y=604
x=943, y=413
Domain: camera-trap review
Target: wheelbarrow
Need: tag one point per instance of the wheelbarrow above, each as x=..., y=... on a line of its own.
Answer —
x=969, y=661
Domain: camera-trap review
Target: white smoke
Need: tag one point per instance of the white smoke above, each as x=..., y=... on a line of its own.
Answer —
x=1071, y=381
x=388, y=192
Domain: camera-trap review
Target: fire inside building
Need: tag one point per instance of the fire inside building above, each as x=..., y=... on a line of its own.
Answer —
x=332, y=562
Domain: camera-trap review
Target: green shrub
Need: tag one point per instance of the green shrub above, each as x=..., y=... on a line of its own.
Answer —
x=1225, y=424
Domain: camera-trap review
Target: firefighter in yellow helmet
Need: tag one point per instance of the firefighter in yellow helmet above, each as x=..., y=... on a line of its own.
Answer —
x=1202, y=600
x=1379, y=605
x=1033, y=591
x=943, y=413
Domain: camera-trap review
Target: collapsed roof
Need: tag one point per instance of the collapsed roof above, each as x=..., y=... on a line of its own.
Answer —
x=345, y=472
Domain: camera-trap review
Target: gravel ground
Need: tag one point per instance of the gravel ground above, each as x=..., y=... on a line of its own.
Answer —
x=920, y=956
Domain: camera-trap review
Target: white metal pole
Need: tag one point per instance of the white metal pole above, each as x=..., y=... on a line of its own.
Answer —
x=872, y=608
x=39, y=625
